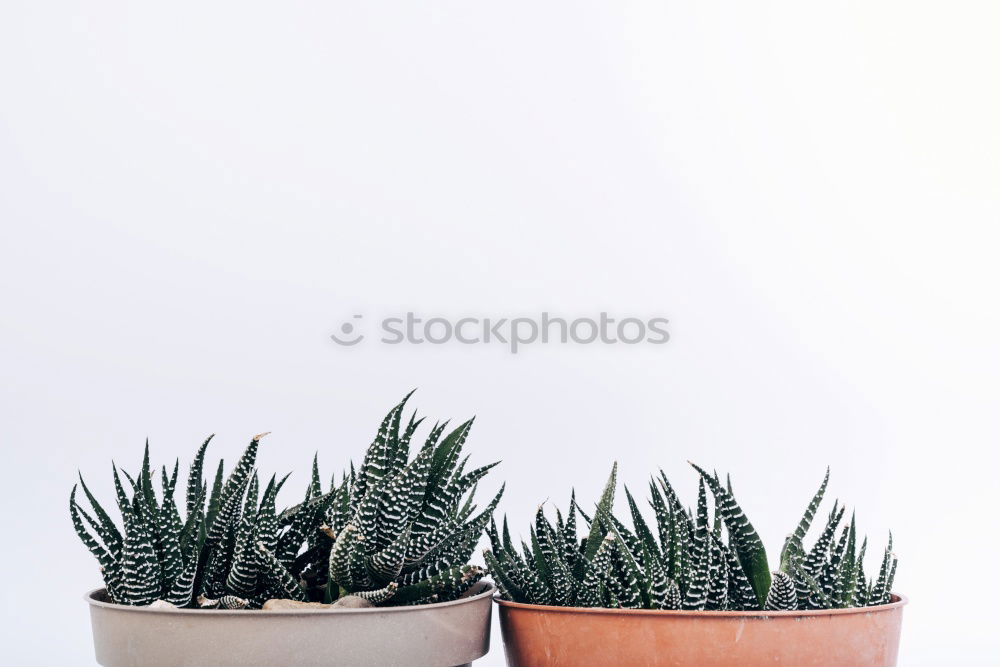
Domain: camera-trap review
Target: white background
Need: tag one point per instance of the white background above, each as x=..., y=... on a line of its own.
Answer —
x=194, y=196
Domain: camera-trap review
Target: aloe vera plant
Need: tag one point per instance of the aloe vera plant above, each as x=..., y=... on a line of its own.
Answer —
x=709, y=559
x=396, y=531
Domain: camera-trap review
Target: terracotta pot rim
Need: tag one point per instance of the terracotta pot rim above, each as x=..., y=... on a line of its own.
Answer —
x=897, y=601
x=93, y=600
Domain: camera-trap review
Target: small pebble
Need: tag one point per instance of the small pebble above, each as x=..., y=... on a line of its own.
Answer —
x=352, y=602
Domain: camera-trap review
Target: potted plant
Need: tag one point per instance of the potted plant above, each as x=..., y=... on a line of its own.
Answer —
x=372, y=570
x=693, y=589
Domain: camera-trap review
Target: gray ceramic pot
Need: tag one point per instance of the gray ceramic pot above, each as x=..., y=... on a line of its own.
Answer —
x=446, y=633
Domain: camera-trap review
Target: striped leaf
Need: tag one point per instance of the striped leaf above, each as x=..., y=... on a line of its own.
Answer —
x=750, y=549
x=782, y=595
x=794, y=542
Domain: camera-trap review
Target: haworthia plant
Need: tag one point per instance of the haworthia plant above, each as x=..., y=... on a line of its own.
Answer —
x=709, y=559
x=396, y=531
x=210, y=558
x=401, y=530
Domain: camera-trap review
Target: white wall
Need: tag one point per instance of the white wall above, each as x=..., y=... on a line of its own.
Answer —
x=194, y=195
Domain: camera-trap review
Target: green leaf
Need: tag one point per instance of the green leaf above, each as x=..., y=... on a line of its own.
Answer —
x=597, y=572
x=388, y=563
x=814, y=561
x=315, y=486
x=237, y=480
x=794, y=541
x=440, y=584
x=604, y=506
x=195, y=483
x=881, y=590
x=99, y=552
x=696, y=597
x=215, y=498
x=182, y=588
x=781, y=596
x=146, y=480
x=108, y=532
x=140, y=568
x=503, y=576
x=447, y=452
x=380, y=595
x=632, y=573
x=380, y=453
x=279, y=576
x=401, y=500
x=340, y=556
x=749, y=547
x=642, y=531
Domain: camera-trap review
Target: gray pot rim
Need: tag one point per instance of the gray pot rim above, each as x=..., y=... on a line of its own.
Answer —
x=488, y=589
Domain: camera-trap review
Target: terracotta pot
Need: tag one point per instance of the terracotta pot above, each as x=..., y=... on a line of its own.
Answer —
x=542, y=635
x=446, y=633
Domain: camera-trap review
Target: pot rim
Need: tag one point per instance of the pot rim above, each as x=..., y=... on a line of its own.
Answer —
x=91, y=597
x=898, y=601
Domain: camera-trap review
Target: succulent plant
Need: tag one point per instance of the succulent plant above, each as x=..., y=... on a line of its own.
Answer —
x=396, y=531
x=402, y=530
x=705, y=560
x=228, y=551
